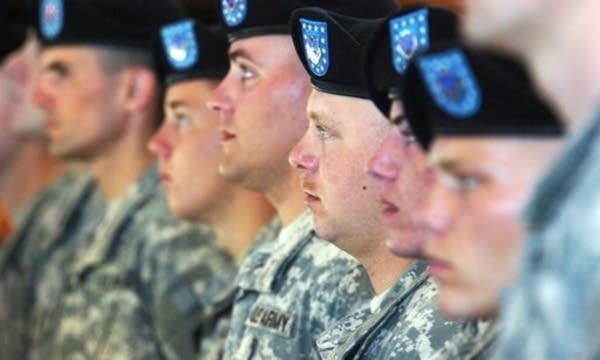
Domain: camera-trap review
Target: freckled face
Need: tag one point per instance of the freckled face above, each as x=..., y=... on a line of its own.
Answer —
x=332, y=159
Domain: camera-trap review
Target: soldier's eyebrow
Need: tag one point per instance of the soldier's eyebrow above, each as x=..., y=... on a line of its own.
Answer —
x=56, y=66
x=175, y=104
x=445, y=164
x=399, y=119
x=313, y=115
x=240, y=54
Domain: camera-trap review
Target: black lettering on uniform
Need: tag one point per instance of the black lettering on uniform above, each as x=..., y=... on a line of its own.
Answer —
x=270, y=319
x=256, y=314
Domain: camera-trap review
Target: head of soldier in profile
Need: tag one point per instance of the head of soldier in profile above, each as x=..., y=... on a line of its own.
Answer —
x=12, y=39
x=22, y=69
x=191, y=59
x=345, y=129
x=400, y=164
x=262, y=99
x=189, y=137
x=97, y=86
x=489, y=138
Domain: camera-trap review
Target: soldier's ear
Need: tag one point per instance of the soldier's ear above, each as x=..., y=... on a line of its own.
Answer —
x=140, y=87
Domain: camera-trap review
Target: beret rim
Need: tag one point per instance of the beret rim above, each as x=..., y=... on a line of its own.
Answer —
x=245, y=33
x=339, y=89
x=214, y=74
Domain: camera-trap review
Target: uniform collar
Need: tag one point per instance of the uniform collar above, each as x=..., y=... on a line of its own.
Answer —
x=107, y=233
x=390, y=303
x=266, y=266
x=410, y=279
x=476, y=338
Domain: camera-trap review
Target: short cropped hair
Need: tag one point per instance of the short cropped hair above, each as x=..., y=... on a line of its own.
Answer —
x=116, y=59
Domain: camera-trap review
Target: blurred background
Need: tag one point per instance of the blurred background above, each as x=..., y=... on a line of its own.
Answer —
x=14, y=10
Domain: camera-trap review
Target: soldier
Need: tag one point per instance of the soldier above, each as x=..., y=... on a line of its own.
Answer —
x=65, y=213
x=477, y=150
x=56, y=212
x=10, y=41
x=100, y=94
x=290, y=290
x=552, y=311
x=26, y=167
x=192, y=59
x=13, y=37
x=346, y=130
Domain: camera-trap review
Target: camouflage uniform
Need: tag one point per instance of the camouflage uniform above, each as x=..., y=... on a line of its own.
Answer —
x=214, y=337
x=139, y=290
x=289, y=291
x=475, y=341
x=402, y=323
x=553, y=312
x=63, y=213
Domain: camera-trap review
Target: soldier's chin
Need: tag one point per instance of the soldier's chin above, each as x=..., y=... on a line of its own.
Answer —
x=322, y=228
x=29, y=124
x=64, y=153
x=463, y=305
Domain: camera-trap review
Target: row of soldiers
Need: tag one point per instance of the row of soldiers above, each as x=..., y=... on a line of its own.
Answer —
x=335, y=180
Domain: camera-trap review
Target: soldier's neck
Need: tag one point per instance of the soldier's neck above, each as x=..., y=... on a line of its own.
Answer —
x=31, y=170
x=383, y=267
x=287, y=198
x=239, y=219
x=119, y=167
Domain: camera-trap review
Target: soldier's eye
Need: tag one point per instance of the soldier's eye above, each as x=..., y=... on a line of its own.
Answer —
x=247, y=73
x=322, y=132
x=460, y=182
x=181, y=121
x=399, y=119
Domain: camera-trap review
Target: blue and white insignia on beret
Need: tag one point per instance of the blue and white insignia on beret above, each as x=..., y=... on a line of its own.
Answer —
x=180, y=44
x=409, y=35
x=316, y=45
x=450, y=81
x=234, y=11
x=51, y=18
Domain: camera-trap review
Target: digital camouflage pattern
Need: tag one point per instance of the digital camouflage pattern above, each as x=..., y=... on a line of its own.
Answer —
x=64, y=213
x=402, y=323
x=214, y=337
x=475, y=341
x=553, y=312
x=141, y=287
x=290, y=291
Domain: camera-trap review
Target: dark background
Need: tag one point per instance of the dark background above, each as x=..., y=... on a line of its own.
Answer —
x=14, y=10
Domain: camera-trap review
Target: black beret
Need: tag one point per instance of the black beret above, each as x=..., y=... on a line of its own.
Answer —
x=455, y=90
x=12, y=38
x=246, y=18
x=330, y=47
x=187, y=49
x=125, y=23
x=403, y=35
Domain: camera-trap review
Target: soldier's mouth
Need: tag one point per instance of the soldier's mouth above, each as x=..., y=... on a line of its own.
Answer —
x=438, y=268
x=165, y=177
x=310, y=198
x=226, y=135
